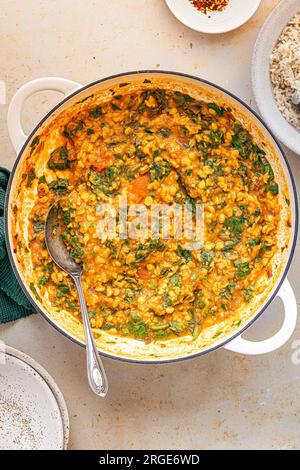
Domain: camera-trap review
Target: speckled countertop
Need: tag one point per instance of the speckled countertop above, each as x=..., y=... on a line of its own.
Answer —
x=222, y=400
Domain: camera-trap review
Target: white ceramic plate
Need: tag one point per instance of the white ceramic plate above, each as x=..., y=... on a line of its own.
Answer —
x=233, y=16
x=261, y=82
x=33, y=413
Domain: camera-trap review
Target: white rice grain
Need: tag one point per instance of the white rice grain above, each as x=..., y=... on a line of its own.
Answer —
x=285, y=70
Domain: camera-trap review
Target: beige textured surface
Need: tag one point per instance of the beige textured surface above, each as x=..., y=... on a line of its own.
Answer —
x=222, y=400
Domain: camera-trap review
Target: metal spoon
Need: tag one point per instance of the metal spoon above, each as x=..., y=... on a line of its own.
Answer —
x=60, y=255
x=296, y=100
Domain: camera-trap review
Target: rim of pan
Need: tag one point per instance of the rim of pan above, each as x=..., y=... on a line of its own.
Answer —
x=214, y=346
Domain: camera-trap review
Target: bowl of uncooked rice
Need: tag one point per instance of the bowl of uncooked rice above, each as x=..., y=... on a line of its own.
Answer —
x=285, y=72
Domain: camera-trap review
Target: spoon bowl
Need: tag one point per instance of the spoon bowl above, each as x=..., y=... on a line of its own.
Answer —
x=296, y=100
x=55, y=245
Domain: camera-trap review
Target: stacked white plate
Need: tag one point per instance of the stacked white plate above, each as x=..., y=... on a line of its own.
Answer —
x=33, y=412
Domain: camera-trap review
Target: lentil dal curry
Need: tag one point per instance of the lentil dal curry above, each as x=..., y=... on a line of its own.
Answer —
x=154, y=145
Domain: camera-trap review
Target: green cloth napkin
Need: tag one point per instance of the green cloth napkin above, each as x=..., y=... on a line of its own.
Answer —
x=13, y=302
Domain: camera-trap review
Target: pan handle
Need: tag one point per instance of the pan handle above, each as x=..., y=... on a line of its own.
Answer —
x=243, y=346
x=16, y=133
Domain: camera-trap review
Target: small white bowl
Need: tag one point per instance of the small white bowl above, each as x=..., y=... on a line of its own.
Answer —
x=261, y=81
x=236, y=13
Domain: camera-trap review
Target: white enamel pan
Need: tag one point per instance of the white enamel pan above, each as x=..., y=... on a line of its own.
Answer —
x=129, y=349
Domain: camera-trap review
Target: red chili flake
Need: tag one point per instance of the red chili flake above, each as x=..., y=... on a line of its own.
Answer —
x=209, y=5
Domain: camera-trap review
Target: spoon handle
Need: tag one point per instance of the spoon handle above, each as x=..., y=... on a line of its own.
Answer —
x=96, y=373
